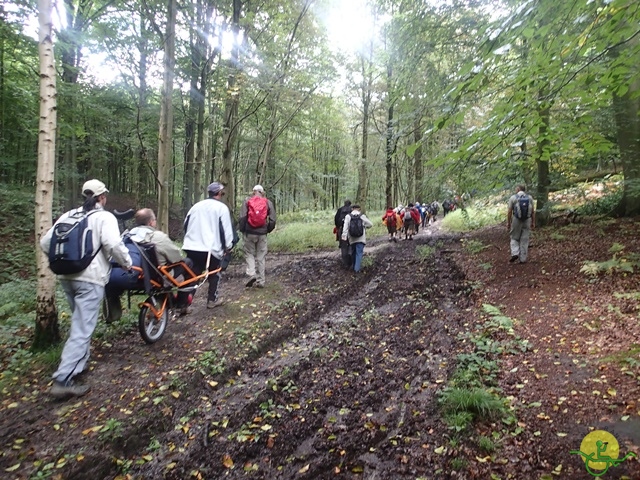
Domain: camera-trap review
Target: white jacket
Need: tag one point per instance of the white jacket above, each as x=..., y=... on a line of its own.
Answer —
x=202, y=228
x=105, y=232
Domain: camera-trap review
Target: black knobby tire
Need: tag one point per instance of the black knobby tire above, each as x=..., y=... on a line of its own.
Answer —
x=151, y=328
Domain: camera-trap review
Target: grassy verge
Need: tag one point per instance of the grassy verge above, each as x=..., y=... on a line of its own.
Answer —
x=474, y=217
x=302, y=231
x=472, y=394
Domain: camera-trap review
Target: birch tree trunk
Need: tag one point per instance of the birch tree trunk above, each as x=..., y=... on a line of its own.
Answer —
x=166, y=120
x=46, y=328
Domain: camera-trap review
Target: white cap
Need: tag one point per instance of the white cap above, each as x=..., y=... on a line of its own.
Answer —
x=93, y=188
x=258, y=188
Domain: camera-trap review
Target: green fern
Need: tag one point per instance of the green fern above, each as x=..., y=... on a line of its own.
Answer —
x=616, y=248
x=590, y=268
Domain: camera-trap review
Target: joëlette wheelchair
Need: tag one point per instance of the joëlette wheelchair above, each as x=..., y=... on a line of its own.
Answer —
x=160, y=284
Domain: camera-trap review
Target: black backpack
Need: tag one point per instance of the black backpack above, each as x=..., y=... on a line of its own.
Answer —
x=342, y=213
x=71, y=247
x=356, y=227
x=521, y=210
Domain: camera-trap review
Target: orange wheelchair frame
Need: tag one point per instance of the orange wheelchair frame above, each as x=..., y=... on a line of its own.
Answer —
x=160, y=286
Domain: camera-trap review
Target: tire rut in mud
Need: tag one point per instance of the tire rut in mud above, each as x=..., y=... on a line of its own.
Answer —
x=352, y=388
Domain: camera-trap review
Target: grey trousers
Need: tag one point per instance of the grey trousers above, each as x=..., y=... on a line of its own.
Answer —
x=84, y=299
x=255, y=252
x=520, y=233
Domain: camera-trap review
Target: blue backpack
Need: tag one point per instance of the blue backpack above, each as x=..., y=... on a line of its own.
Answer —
x=71, y=247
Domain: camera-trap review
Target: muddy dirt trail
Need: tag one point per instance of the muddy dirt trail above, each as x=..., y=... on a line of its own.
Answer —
x=351, y=387
x=322, y=374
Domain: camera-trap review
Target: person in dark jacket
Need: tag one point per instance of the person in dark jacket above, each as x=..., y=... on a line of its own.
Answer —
x=255, y=225
x=338, y=220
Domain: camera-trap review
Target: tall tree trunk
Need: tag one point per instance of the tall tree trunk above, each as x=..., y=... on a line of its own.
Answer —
x=166, y=120
x=542, y=161
x=418, y=166
x=142, y=158
x=230, y=125
x=46, y=327
x=627, y=114
x=196, y=47
x=366, y=65
x=261, y=168
x=2, y=74
x=200, y=139
x=201, y=143
x=390, y=144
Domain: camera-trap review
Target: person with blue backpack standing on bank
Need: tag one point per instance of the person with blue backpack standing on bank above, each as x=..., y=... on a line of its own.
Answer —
x=79, y=246
x=257, y=219
x=521, y=219
x=354, y=230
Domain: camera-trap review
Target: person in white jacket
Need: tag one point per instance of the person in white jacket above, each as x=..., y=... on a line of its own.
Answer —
x=357, y=243
x=84, y=290
x=209, y=235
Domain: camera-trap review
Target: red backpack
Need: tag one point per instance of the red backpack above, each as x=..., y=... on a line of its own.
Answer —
x=391, y=219
x=257, y=211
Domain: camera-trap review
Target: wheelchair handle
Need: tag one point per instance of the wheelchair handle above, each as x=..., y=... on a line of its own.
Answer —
x=126, y=215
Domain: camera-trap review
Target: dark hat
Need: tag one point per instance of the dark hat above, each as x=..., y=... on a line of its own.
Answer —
x=215, y=188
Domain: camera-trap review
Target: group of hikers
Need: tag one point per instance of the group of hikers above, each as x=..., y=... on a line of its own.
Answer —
x=93, y=261
x=350, y=226
x=91, y=258
x=408, y=220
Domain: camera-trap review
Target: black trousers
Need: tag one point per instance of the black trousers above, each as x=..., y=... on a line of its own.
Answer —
x=199, y=260
x=345, y=253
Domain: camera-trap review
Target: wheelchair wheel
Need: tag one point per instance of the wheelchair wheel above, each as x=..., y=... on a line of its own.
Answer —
x=153, y=318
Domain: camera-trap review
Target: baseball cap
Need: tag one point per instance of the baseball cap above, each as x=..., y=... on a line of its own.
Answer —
x=93, y=188
x=215, y=188
x=258, y=188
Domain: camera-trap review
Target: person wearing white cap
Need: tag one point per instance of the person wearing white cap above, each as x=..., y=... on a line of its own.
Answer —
x=84, y=290
x=208, y=232
x=257, y=219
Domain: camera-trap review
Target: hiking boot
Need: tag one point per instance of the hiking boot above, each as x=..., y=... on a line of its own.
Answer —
x=184, y=311
x=69, y=389
x=259, y=285
x=213, y=304
x=513, y=258
x=250, y=283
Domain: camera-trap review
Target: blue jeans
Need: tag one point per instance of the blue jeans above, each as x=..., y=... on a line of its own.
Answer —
x=357, y=251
